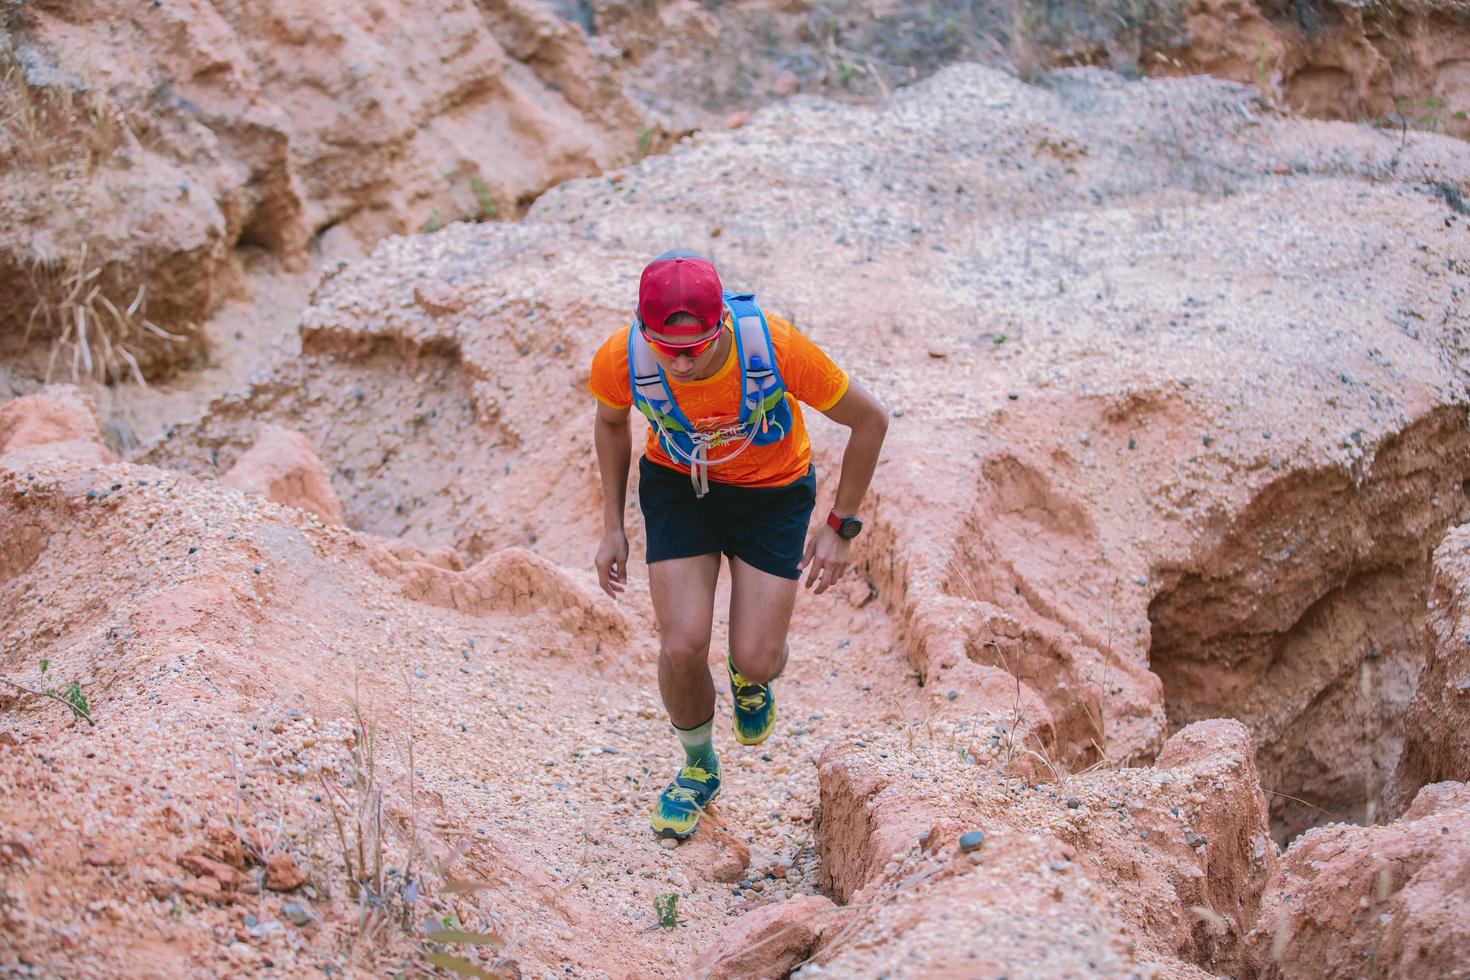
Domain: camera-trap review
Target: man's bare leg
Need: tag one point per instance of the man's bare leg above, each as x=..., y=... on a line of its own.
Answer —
x=684, y=602
x=683, y=591
x=760, y=613
x=760, y=617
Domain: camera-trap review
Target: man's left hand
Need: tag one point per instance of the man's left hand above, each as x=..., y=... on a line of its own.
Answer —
x=826, y=556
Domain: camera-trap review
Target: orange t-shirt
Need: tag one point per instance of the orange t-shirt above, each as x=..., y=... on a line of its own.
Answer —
x=714, y=403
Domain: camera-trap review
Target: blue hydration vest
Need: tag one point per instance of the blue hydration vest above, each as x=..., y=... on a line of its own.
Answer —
x=765, y=416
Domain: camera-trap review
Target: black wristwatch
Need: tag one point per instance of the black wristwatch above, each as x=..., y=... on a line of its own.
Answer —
x=847, y=528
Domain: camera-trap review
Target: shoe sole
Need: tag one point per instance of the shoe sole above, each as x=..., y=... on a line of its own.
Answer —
x=735, y=724
x=763, y=736
x=675, y=835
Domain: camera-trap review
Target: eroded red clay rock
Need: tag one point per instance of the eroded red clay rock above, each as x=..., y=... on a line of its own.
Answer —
x=716, y=852
x=507, y=580
x=283, y=874
x=282, y=466
x=276, y=124
x=766, y=943
x=59, y=422
x=1340, y=61
x=1164, y=863
x=1437, y=728
x=1304, y=617
x=1357, y=901
x=210, y=615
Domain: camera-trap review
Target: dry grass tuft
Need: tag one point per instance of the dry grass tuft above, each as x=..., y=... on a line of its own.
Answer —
x=63, y=125
x=57, y=132
x=385, y=852
x=91, y=334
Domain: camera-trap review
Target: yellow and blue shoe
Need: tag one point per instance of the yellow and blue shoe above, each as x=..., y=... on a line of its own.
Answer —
x=682, y=803
x=754, y=708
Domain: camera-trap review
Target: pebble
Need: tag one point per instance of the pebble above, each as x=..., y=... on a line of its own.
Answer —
x=1073, y=803
x=668, y=843
x=971, y=840
x=296, y=913
x=243, y=952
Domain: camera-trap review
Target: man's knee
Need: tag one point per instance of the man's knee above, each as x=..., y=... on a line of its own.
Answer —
x=686, y=652
x=759, y=664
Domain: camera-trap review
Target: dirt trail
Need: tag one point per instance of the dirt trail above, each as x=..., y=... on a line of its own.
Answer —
x=1140, y=340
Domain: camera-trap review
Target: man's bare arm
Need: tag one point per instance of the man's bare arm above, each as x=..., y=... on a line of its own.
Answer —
x=826, y=553
x=860, y=412
x=612, y=437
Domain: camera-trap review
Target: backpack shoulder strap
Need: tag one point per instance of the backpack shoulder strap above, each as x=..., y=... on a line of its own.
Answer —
x=764, y=392
x=643, y=372
x=651, y=394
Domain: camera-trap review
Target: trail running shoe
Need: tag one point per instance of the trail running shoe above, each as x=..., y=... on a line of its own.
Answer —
x=683, y=801
x=755, y=708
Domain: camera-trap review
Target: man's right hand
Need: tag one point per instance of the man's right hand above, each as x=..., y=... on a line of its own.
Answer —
x=612, y=562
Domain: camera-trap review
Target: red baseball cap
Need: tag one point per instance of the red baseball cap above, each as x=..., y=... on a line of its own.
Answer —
x=680, y=281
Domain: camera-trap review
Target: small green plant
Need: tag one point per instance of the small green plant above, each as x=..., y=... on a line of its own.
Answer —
x=76, y=699
x=482, y=194
x=645, y=141
x=846, y=71
x=433, y=224
x=1263, y=68
x=667, y=907
x=1000, y=338
x=70, y=694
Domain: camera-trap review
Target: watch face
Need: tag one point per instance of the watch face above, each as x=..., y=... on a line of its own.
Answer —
x=849, y=528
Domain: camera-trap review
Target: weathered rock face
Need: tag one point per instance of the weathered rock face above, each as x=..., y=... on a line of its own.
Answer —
x=1355, y=901
x=1305, y=618
x=59, y=421
x=206, y=129
x=1394, y=63
x=282, y=466
x=1437, y=729
x=183, y=608
x=1399, y=63
x=1165, y=862
x=768, y=943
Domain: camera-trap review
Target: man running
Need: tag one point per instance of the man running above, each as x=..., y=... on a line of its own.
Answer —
x=726, y=470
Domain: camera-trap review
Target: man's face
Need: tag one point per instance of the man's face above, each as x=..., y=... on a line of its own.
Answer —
x=681, y=358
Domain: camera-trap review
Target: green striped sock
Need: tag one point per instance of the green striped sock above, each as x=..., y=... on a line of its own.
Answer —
x=699, y=746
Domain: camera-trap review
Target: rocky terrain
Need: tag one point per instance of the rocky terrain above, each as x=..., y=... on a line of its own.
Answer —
x=172, y=181
x=172, y=156
x=1161, y=576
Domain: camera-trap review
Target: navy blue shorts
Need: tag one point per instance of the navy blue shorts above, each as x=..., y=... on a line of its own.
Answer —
x=765, y=527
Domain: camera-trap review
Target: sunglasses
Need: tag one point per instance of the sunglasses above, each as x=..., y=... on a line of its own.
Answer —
x=682, y=350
